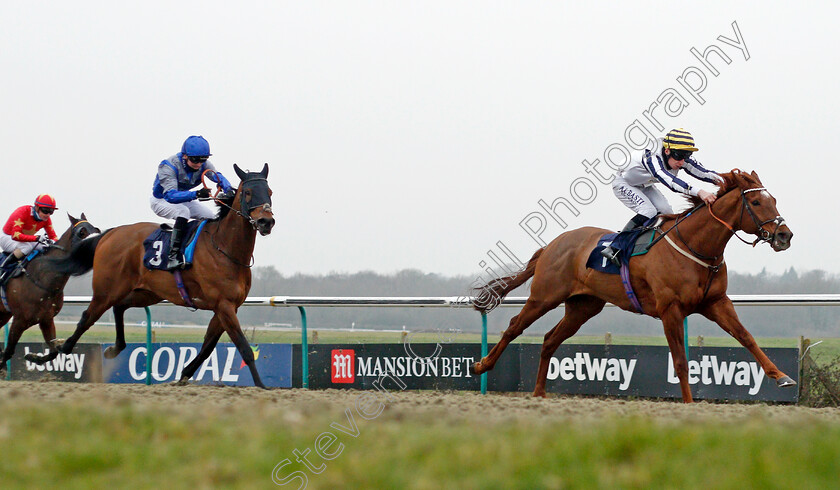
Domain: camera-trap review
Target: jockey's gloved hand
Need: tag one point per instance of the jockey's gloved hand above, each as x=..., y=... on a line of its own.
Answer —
x=45, y=241
x=228, y=194
x=202, y=193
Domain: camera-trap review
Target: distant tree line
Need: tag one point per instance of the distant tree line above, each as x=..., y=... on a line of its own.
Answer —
x=267, y=281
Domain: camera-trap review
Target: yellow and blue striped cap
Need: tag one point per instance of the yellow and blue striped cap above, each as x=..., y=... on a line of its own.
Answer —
x=679, y=139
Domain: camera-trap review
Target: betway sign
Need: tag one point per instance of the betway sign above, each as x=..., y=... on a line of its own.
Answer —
x=713, y=372
x=82, y=365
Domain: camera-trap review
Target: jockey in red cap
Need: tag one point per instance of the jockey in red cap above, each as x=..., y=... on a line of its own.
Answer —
x=19, y=233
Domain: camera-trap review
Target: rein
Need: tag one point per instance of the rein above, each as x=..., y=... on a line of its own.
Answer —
x=213, y=241
x=247, y=217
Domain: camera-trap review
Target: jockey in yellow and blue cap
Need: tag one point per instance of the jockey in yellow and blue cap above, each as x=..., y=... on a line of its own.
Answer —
x=635, y=187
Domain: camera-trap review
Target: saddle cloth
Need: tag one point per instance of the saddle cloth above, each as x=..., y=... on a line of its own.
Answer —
x=16, y=268
x=156, y=245
x=630, y=243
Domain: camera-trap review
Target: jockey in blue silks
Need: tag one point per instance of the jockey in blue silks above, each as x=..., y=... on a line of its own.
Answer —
x=635, y=187
x=171, y=194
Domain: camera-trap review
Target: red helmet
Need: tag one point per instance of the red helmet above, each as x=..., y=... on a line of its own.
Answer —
x=45, y=201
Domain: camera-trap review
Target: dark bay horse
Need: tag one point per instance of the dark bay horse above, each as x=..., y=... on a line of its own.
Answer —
x=38, y=295
x=219, y=279
x=676, y=278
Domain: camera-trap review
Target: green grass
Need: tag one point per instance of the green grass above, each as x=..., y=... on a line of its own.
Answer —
x=86, y=446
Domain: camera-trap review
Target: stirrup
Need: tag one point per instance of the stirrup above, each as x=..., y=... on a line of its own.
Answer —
x=174, y=262
x=612, y=255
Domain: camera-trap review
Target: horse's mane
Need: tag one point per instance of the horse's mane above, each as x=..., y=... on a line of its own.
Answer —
x=224, y=210
x=730, y=182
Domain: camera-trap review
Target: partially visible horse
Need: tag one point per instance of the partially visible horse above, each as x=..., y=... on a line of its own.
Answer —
x=219, y=279
x=38, y=295
x=681, y=275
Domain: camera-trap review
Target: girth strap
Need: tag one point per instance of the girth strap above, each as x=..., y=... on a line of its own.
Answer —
x=628, y=288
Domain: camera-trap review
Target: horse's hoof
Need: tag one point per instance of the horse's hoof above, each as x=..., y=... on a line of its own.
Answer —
x=785, y=381
x=36, y=358
x=111, y=352
x=475, y=369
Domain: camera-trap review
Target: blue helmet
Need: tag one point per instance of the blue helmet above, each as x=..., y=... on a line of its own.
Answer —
x=196, y=146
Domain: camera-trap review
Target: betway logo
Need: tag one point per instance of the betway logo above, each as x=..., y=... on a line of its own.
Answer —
x=585, y=368
x=711, y=371
x=407, y=367
x=63, y=363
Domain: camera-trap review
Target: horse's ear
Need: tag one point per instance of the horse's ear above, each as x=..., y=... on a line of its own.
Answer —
x=73, y=220
x=84, y=218
x=755, y=176
x=264, y=171
x=239, y=172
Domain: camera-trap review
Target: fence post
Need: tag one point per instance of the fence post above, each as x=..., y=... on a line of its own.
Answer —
x=304, y=350
x=483, y=351
x=685, y=337
x=148, y=345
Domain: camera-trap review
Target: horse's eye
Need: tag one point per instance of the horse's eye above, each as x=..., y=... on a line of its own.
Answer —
x=756, y=203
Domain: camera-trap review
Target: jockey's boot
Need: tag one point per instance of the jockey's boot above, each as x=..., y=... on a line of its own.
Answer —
x=636, y=222
x=7, y=267
x=611, y=253
x=175, y=261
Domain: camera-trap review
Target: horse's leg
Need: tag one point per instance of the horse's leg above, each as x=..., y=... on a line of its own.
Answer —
x=532, y=310
x=211, y=338
x=723, y=313
x=4, y=319
x=579, y=309
x=93, y=312
x=48, y=331
x=15, y=331
x=227, y=315
x=672, y=320
x=119, y=326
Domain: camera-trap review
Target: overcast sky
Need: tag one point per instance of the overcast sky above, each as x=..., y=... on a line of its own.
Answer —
x=417, y=134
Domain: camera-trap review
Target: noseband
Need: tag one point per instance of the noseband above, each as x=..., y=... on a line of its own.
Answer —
x=762, y=235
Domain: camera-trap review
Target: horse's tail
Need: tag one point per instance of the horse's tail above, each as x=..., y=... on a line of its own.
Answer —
x=80, y=258
x=489, y=296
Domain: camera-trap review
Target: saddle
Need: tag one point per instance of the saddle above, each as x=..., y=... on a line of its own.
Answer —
x=12, y=270
x=630, y=243
x=156, y=245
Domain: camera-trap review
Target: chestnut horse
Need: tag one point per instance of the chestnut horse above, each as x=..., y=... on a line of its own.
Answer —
x=219, y=279
x=681, y=275
x=38, y=295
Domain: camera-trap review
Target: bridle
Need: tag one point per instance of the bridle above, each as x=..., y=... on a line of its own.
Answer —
x=762, y=235
x=242, y=205
x=247, y=217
